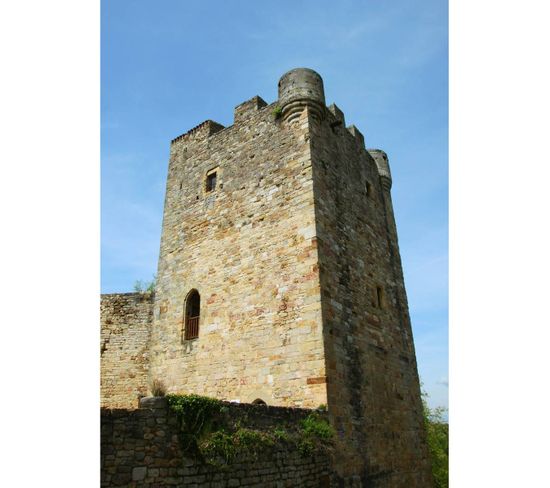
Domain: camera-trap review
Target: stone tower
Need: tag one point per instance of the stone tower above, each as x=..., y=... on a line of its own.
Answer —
x=280, y=279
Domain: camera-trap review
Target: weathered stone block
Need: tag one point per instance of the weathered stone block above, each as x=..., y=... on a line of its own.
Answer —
x=154, y=403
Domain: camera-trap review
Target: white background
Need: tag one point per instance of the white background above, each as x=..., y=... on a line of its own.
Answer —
x=499, y=271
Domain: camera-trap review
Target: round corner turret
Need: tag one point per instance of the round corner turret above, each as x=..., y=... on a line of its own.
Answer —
x=383, y=165
x=298, y=88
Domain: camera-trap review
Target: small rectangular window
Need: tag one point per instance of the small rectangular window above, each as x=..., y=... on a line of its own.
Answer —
x=368, y=189
x=211, y=181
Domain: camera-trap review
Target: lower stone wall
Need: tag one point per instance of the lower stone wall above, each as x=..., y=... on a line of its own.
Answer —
x=125, y=330
x=141, y=448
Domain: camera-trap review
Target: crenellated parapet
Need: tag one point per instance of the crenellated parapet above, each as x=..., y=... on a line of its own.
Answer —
x=354, y=131
x=203, y=130
x=338, y=115
x=243, y=110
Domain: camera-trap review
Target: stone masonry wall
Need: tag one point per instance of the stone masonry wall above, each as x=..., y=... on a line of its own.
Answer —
x=140, y=448
x=303, y=302
x=125, y=327
x=249, y=249
x=373, y=390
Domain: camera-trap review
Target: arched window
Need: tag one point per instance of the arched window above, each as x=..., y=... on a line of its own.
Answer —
x=259, y=401
x=192, y=315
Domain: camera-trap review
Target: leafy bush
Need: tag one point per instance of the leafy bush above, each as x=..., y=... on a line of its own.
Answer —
x=437, y=431
x=252, y=441
x=210, y=437
x=195, y=414
x=144, y=286
x=314, y=425
x=218, y=444
x=306, y=446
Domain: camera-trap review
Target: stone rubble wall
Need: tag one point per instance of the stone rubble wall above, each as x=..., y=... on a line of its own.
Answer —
x=140, y=448
x=125, y=328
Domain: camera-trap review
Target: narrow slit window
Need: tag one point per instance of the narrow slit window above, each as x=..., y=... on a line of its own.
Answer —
x=368, y=189
x=379, y=297
x=211, y=179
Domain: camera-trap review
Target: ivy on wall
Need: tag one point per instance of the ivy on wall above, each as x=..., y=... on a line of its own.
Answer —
x=212, y=437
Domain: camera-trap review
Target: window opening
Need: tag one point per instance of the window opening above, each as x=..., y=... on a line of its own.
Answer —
x=211, y=181
x=368, y=189
x=379, y=297
x=192, y=315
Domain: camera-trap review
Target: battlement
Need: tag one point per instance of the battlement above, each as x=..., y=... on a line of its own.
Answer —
x=243, y=110
x=204, y=129
x=298, y=88
x=338, y=114
x=354, y=131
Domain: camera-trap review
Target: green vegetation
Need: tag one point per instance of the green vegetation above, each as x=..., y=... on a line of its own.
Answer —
x=277, y=112
x=145, y=286
x=281, y=434
x=314, y=429
x=211, y=437
x=438, y=442
x=195, y=414
x=219, y=444
x=243, y=442
x=315, y=426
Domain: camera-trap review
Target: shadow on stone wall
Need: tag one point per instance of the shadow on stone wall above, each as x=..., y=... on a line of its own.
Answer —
x=142, y=448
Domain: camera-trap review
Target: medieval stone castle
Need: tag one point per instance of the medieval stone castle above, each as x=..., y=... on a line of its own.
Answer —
x=280, y=281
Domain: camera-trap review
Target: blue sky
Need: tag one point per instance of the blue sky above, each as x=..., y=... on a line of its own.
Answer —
x=168, y=65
